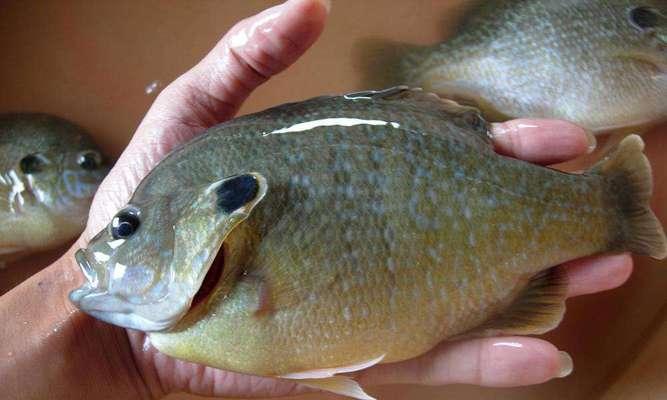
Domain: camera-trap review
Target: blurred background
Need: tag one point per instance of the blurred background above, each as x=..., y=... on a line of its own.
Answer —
x=101, y=64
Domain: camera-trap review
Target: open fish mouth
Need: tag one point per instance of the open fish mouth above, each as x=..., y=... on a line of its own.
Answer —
x=117, y=310
x=211, y=279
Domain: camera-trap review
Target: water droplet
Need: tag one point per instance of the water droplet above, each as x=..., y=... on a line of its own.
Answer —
x=153, y=87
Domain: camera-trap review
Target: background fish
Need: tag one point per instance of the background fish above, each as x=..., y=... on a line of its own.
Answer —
x=357, y=229
x=49, y=171
x=599, y=63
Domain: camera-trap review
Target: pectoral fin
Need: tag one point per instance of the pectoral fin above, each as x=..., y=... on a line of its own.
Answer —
x=327, y=380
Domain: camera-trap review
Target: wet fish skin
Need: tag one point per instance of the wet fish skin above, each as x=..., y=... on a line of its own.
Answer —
x=45, y=191
x=385, y=224
x=585, y=61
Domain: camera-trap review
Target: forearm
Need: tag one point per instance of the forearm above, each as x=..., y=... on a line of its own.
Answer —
x=49, y=349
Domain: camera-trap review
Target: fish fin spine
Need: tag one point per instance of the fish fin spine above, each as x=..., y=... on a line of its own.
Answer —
x=341, y=385
x=327, y=380
x=329, y=372
x=537, y=309
x=628, y=175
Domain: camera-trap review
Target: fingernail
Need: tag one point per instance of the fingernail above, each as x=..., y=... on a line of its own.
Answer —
x=592, y=142
x=498, y=129
x=566, y=364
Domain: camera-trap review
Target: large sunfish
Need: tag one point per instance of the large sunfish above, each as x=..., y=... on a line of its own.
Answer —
x=599, y=63
x=355, y=229
x=49, y=171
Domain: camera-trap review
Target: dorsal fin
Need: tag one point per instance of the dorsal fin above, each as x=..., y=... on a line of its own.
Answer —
x=465, y=116
x=539, y=308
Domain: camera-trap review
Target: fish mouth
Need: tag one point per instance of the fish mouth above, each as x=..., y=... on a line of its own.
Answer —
x=211, y=280
x=117, y=310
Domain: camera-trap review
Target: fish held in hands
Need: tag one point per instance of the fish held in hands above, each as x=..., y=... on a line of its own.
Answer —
x=352, y=230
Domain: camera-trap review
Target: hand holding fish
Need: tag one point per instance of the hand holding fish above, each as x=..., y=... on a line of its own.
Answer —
x=65, y=350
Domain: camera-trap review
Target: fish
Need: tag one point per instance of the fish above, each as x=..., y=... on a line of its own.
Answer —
x=49, y=170
x=332, y=234
x=601, y=64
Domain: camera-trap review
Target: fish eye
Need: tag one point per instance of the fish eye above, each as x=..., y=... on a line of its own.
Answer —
x=124, y=224
x=89, y=160
x=32, y=164
x=643, y=17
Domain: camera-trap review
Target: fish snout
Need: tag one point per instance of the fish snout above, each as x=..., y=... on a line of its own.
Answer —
x=97, y=298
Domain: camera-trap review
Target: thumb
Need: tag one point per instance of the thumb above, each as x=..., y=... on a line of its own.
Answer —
x=255, y=49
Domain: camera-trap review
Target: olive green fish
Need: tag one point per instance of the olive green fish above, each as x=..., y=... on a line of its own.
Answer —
x=355, y=229
x=49, y=171
x=599, y=63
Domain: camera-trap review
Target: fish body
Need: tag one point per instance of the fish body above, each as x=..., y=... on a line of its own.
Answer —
x=49, y=171
x=599, y=63
x=355, y=229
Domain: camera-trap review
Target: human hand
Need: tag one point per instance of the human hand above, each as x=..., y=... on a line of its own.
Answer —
x=506, y=361
x=210, y=93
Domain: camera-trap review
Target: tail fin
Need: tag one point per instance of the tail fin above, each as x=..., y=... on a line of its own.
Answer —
x=629, y=175
x=384, y=63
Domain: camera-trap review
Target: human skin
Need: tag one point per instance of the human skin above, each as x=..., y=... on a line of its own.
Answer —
x=49, y=349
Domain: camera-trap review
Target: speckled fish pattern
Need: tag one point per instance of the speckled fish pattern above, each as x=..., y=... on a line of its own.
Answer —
x=389, y=225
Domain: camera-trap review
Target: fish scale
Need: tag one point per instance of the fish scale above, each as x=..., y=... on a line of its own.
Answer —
x=288, y=259
x=383, y=224
x=584, y=61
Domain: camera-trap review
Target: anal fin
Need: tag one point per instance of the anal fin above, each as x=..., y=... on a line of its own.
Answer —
x=537, y=309
x=327, y=380
x=339, y=384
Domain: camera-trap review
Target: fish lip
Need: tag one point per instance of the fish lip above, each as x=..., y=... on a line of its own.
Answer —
x=91, y=300
x=115, y=309
x=86, y=267
x=77, y=295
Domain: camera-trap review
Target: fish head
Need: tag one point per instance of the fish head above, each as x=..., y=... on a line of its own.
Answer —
x=641, y=31
x=650, y=18
x=143, y=270
x=60, y=180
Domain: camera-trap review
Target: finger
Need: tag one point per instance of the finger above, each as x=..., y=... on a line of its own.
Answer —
x=496, y=362
x=254, y=49
x=170, y=375
x=250, y=53
x=541, y=141
x=597, y=273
